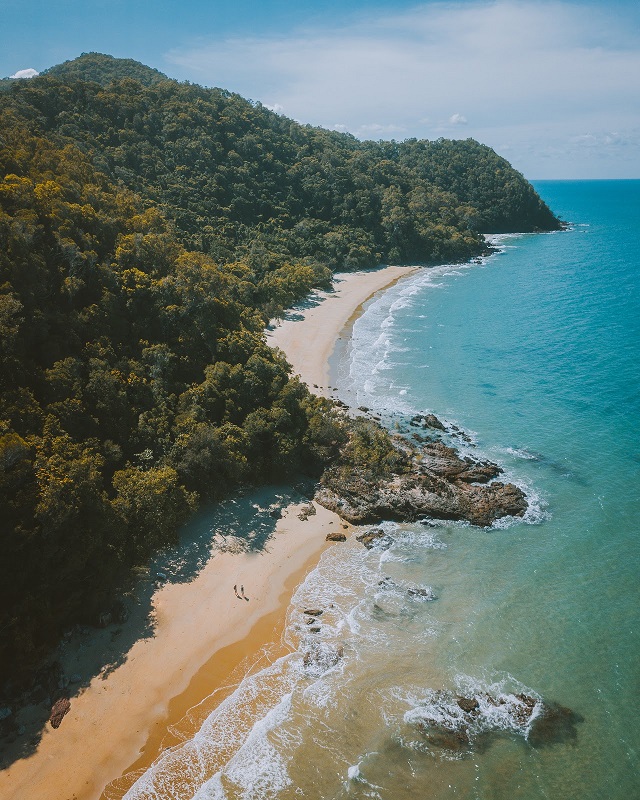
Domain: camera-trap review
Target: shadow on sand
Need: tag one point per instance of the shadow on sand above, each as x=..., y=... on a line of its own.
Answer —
x=241, y=524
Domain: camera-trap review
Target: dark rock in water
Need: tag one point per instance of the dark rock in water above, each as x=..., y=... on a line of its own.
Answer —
x=313, y=612
x=364, y=409
x=453, y=739
x=374, y=538
x=336, y=537
x=523, y=713
x=418, y=591
x=314, y=630
x=431, y=421
x=275, y=513
x=539, y=722
x=468, y=704
x=321, y=657
x=387, y=583
x=60, y=708
x=555, y=723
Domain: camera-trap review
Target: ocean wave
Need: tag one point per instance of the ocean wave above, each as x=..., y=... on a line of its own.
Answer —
x=258, y=769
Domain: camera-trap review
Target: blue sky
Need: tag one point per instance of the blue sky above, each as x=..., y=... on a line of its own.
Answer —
x=553, y=86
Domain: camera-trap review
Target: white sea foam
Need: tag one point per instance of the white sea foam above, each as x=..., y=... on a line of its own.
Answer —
x=500, y=708
x=258, y=769
x=522, y=452
x=374, y=344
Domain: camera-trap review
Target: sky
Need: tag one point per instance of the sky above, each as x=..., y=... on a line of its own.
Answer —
x=553, y=86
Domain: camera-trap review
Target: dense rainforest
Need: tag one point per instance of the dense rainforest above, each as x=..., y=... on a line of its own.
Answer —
x=149, y=229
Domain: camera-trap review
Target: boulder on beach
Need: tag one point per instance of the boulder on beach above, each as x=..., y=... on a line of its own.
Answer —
x=58, y=711
x=306, y=512
x=336, y=537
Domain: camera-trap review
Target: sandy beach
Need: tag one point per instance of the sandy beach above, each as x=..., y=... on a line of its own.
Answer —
x=308, y=336
x=200, y=632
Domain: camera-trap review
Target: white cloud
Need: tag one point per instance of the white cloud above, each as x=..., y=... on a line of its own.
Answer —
x=276, y=107
x=25, y=73
x=525, y=72
x=381, y=130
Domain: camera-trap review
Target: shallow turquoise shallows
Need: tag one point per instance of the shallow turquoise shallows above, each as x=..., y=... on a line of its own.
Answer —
x=535, y=353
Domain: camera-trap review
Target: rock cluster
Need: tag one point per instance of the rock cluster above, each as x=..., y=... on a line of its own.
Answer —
x=306, y=512
x=458, y=723
x=438, y=482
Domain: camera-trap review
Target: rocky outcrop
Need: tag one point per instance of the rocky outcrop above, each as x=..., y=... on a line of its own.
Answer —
x=458, y=723
x=437, y=483
x=336, y=537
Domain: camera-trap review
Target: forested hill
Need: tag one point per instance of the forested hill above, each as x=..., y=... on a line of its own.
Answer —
x=104, y=69
x=234, y=176
x=148, y=231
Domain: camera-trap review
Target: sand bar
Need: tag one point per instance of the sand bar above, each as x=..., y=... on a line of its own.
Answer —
x=119, y=720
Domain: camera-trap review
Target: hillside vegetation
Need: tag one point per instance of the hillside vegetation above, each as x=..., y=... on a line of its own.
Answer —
x=148, y=231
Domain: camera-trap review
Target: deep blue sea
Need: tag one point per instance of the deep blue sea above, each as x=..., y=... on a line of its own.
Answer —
x=535, y=353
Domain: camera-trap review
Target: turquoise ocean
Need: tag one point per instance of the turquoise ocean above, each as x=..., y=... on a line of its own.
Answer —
x=534, y=352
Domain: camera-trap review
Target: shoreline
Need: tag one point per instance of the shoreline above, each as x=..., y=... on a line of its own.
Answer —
x=194, y=649
x=333, y=313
